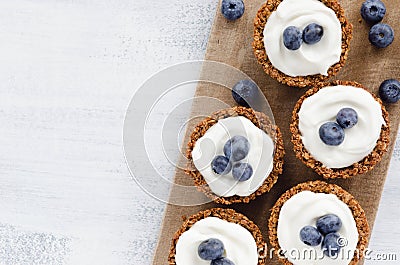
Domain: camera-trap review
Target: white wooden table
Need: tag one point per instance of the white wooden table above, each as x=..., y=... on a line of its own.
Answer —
x=67, y=72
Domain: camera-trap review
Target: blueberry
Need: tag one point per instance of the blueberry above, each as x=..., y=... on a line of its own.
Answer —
x=389, y=91
x=347, y=118
x=245, y=93
x=373, y=11
x=331, y=133
x=236, y=148
x=242, y=171
x=329, y=223
x=232, y=9
x=381, y=35
x=292, y=38
x=330, y=245
x=211, y=249
x=221, y=165
x=313, y=33
x=310, y=236
x=222, y=261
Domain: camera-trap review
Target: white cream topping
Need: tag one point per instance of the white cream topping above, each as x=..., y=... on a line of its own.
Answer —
x=308, y=59
x=359, y=140
x=240, y=246
x=304, y=209
x=212, y=143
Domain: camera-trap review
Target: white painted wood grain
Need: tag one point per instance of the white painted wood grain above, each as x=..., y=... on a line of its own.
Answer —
x=68, y=69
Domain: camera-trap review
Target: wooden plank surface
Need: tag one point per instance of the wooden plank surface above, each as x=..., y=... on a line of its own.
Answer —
x=230, y=42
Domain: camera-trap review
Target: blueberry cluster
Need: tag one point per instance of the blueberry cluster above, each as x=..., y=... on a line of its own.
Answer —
x=235, y=149
x=213, y=249
x=380, y=35
x=293, y=37
x=325, y=231
x=332, y=133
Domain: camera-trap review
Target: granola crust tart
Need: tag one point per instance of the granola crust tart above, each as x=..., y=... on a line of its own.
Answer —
x=228, y=215
x=259, y=48
x=260, y=120
x=361, y=167
x=321, y=187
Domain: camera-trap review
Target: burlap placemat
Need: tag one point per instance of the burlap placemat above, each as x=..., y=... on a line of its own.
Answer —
x=230, y=42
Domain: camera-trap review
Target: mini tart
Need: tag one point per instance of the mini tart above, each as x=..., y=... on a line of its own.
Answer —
x=361, y=167
x=224, y=214
x=299, y=81
x=320, y=187
x=260, y=120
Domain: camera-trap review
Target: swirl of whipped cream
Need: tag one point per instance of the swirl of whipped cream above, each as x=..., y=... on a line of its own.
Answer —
x=240, y=246
x=308, y=59
x=212, y=143
x=359, y=140
x=304, y=209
